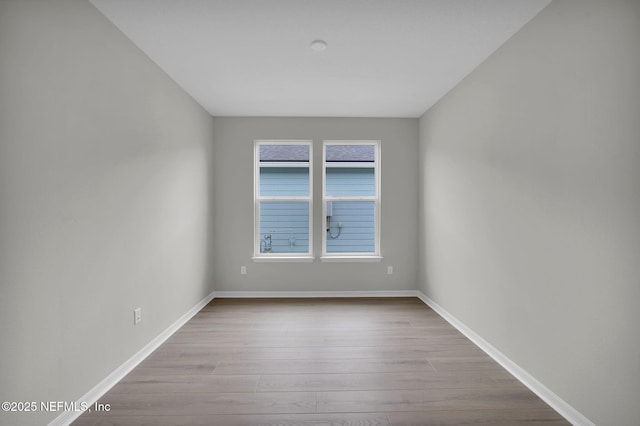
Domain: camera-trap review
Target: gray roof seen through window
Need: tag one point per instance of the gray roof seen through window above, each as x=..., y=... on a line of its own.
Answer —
x=335, y=153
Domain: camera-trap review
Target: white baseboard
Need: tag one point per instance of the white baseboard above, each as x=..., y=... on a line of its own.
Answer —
x=562, y=407
x=119, y=373
x=313, y=294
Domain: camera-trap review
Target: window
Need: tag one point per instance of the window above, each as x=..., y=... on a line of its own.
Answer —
x=283, y=202
x=351, y=200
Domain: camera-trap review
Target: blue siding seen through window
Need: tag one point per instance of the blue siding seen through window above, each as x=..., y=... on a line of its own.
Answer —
x=284, y=181
x=350, y=182
x=358, y=227
x=288, y=225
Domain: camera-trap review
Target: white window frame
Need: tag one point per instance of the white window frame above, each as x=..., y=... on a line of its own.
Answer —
x=257, y=198
x=352, y=257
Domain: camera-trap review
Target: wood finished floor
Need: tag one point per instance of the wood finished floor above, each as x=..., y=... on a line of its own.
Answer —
x=320, y=362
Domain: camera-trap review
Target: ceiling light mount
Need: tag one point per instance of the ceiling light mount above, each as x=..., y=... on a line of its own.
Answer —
x=319, y=45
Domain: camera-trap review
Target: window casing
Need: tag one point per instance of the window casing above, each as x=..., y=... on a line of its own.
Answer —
x=351, y=200
x=283, y=202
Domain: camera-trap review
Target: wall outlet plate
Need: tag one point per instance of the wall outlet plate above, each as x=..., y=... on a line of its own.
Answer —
x=137, y=316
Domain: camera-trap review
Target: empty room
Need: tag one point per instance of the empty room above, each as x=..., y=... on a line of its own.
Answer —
x=301, y=212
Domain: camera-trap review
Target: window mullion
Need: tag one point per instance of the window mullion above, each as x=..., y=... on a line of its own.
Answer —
x=336, y=198
x=281, y=198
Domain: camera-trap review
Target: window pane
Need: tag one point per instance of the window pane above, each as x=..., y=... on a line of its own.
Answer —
x=284, y=227
x=350, y=182
x=295, y=153
x=350, y=153
x=357, y=234
x=284, y=181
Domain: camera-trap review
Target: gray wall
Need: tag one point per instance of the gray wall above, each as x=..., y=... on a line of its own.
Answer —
x=233, y=192
x=530, y=204
x=104, y=201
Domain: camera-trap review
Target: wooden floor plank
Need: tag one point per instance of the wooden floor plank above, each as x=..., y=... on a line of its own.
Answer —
x=204, y=364
x=374, y=381
x=393, y=341
x=464, y=363
x=329, y=419
x=331, y=366
x=247, y=341
x=141, y=384
x=429, y=399
x=184, y=404
x=194, y=351
x=520, y=417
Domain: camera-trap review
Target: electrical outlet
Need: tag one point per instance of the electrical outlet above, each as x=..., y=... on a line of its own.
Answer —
x=137, y=316
x=389, y=270
x=243, y=270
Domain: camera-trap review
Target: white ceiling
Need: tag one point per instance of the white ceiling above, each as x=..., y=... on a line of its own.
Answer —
x=385, y=58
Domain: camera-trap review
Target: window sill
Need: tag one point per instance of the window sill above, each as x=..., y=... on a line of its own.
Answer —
x=350, y=258
x=283, y=258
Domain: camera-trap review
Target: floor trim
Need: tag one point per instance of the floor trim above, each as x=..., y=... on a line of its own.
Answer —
x=119, y=373
x=554, y=401
x=312, y=294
